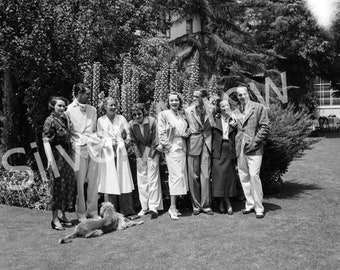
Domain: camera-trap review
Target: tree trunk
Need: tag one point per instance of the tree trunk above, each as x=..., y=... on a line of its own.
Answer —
x=8, y=130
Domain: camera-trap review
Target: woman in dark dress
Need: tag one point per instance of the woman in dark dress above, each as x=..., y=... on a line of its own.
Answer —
x=62, y=183
x=223, y=157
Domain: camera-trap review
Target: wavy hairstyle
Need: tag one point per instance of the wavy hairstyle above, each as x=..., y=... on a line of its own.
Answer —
x=53, y=101
x=232, y=104
x=179, y=97
x=139, y=107
x=103, y=103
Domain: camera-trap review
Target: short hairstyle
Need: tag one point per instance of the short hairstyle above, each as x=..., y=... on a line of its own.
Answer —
x=79, y=88
x=179, y=97
x=139, y=107
x=203, y=91
x=242, y=86
x=104, y=102
x=218, y=104
x=53, y=101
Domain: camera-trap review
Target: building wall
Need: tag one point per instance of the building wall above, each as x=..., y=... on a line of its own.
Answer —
x=328, y=105
x=328, y=110
x=179, y=30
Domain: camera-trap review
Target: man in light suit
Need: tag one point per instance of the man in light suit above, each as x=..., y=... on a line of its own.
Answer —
x=199, y=154
x=83, y=119
x=253, y=127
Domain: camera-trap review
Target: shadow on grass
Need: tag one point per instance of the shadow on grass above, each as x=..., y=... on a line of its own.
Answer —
x=329, y=135
x=290, y=189
x=332, y=135
x=239, y=205
x=269, y=207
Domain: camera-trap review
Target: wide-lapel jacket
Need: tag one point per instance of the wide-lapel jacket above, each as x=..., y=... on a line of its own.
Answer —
x=200, y=132
x=217, y=135
x=140, y=141
x=252, y=127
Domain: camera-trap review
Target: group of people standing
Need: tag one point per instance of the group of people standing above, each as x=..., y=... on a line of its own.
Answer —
x=201, y=143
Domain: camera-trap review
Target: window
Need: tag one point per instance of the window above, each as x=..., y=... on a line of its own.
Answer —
x=323, y=91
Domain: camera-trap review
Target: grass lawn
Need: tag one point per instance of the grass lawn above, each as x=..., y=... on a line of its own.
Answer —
x=300, y=231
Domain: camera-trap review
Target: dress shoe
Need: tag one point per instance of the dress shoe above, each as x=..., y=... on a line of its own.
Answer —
x=133, y=217
x=65, y=221
x=209, y=212
x=196, y=212
x=222, y=209
x=154, y=214
x=142, y=213
x=247, y=211
x=172, y=215
x=260, y=215
x=57, y=227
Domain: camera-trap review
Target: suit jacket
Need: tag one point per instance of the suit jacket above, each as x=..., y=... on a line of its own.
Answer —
x=217, y=135
x=149, y=138
x=200, y=132
x=253, y=128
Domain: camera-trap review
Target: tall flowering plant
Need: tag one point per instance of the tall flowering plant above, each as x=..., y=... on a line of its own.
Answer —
x=161, y=90
x=96, y=85
x=129, y=87
x=186, y=91
x=114, y=91
x=127, y=74
x=174, y=76
x=212, y=86
x=87, y=71
x=194, y=79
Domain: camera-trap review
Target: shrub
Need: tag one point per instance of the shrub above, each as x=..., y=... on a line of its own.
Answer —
x=287, y=140
x=17, y=190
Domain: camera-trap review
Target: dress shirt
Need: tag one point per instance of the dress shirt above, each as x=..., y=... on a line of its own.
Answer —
x=225, y=127
x=83, y=118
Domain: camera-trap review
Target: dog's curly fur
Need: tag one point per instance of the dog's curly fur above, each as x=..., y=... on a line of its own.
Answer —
x=111, y=221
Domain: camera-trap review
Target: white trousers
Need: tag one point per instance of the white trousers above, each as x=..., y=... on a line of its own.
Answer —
x=87, y=173
x=148, y=180
x=249, y=173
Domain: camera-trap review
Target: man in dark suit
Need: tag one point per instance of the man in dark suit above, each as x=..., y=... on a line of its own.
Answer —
x=199, y=153
x=253, y=127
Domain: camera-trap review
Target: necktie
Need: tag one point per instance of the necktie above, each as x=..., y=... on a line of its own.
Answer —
x=202, y=114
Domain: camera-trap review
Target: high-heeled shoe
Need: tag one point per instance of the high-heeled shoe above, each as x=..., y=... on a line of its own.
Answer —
x=222, y=209
x=178, y=213
x=172, y=215
x=65, y=222
x=57, y=227
x=230, y=211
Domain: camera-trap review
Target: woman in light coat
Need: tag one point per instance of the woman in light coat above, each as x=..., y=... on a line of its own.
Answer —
x=115, y=178
x=172, y=132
